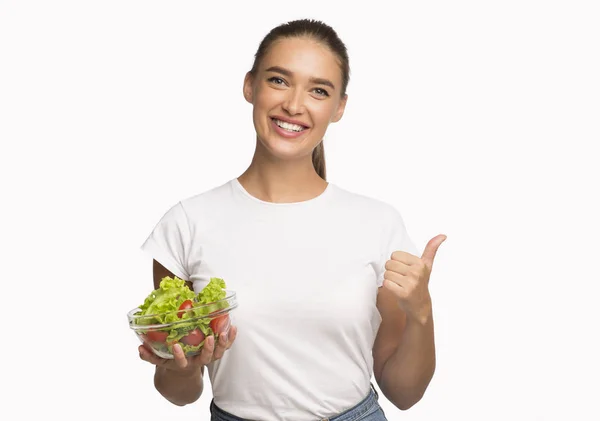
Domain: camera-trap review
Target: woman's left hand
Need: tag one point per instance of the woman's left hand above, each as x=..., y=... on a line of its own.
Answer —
x=407, y=276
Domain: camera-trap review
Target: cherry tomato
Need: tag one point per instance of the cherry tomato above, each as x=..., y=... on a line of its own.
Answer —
x=194, y=338
x=157, y=336
x=186, y=305
x=220, y=324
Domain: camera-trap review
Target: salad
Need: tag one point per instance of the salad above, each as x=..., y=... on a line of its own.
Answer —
x=173, y=313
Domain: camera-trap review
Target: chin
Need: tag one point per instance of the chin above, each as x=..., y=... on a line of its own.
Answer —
x=286, y=150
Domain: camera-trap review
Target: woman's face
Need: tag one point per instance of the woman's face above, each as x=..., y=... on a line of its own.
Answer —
x=296, y=93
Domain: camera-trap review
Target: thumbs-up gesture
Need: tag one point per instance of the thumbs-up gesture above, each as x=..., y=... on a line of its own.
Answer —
x=407, y=276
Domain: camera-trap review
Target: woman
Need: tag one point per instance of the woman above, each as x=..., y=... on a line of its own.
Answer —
x=330, y=286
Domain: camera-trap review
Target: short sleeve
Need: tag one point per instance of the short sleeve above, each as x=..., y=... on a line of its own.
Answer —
x=394, y=238
x=169, y=242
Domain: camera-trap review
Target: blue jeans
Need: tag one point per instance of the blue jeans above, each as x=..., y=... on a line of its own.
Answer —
x=367, y=410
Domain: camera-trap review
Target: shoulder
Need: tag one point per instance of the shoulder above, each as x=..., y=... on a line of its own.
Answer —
x=200, y=205
x=364, y=204
x=219, y=195
x=376, y=215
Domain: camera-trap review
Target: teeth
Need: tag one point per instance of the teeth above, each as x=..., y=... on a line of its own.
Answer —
x=289, y=126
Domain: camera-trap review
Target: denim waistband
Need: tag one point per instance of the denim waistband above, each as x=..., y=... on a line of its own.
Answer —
x=365, y=407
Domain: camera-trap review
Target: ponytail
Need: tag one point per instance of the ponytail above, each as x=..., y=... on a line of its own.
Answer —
x=318, y=160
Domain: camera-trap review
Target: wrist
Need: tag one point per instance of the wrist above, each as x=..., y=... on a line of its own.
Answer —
x=181, y=373
x=422, y=317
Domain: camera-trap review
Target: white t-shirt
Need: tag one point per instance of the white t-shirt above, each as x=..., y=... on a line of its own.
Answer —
x=306, y=275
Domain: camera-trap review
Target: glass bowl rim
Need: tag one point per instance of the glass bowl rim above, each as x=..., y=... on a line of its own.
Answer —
x=230, y=298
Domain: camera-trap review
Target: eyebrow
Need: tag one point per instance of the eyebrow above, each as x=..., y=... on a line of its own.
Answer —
x=315, y=80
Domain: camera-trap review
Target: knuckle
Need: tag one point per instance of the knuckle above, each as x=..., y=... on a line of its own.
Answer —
x=204, y=359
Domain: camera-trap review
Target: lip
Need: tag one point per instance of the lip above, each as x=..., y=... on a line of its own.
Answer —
x=286, y=134
x=289, y=120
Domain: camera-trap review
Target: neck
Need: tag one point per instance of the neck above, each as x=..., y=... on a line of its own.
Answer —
x=282, y=181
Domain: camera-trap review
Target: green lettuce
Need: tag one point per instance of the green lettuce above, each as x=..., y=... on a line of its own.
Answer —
x=164, y=301
x=163, y=305
x=209, y=296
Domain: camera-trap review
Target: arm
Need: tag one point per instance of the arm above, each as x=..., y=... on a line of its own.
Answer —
x=404, y=352
x=178, y=387
x=404, y=349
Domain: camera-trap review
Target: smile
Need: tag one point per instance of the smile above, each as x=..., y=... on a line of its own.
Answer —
x=292, y=128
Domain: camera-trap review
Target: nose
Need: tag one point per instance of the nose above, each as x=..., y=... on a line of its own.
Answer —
x=294, y=102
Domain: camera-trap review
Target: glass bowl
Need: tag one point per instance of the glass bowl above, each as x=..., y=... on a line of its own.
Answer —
x=189, y=327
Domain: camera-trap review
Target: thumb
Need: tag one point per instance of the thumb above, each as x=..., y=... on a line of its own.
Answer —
x=431, y=249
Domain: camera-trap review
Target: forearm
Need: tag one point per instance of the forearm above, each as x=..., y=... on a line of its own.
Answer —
x=408, y=371
x=179, y=388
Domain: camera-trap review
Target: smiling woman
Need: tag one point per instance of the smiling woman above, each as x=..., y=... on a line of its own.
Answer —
x=331, y=288
x=293, y=90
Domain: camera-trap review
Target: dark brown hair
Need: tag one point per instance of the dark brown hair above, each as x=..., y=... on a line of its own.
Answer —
x=319, y=32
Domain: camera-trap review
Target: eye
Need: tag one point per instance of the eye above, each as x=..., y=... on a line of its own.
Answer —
x=321, y=92
x=276, y=80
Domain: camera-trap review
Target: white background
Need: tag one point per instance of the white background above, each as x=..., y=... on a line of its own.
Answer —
x=475, y=119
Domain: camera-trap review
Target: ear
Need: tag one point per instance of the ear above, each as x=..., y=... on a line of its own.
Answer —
x=340, y=110
x=248, y=87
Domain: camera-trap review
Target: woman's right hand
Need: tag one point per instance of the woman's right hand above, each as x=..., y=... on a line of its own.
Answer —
x=180, y=363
